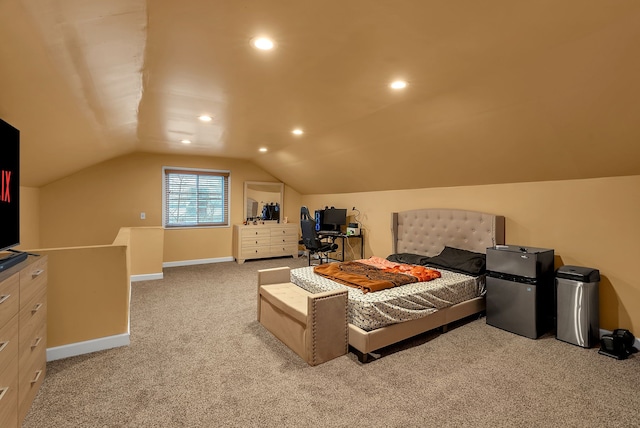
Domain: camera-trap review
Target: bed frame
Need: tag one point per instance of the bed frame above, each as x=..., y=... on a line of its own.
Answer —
x=427, y=232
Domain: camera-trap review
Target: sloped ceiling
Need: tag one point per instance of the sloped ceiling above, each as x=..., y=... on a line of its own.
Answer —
x=498, y=91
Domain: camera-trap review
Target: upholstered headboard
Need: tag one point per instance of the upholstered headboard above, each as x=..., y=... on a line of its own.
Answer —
x=428, y=231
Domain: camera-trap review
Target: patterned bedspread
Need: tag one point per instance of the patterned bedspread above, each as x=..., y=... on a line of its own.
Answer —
x=369, y=277
x=407, y=302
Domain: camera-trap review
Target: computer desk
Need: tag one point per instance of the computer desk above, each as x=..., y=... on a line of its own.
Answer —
x=344, y=237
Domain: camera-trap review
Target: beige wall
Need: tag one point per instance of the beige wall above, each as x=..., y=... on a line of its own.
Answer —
x=88, y=208
x=29, y=218
x=87, y=293
x=145, y=248
x=593, y=223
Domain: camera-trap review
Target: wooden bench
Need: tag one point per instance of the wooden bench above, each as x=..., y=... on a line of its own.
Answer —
x=314, y=326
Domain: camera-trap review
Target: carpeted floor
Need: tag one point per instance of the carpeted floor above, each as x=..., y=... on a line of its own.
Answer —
x=198, y=358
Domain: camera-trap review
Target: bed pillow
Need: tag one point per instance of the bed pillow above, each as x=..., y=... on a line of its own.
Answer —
x=459, y=260
x=408, y=258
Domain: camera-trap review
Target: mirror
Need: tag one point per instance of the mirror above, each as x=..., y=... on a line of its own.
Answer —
x=263, y=200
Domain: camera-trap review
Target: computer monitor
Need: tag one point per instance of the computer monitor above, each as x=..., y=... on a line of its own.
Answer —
x=333, y=218
x=271, y=212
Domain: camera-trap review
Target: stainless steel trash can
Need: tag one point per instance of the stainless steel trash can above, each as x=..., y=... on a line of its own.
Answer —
x=577, y=303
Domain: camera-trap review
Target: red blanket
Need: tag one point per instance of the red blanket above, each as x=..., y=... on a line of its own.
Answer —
x=369, y=278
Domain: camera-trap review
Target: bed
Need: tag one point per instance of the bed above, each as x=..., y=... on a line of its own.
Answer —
x=381, y=318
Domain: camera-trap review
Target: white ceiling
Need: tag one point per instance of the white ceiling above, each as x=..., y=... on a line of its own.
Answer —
x=499, y=91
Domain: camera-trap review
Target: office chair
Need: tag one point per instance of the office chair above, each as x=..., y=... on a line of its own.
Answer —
x=310, y=239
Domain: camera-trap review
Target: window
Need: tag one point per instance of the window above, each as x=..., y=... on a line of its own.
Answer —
x=195, y=198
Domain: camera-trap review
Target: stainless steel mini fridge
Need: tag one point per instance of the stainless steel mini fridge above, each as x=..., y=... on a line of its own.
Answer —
x=578, y=305
x=520, y=289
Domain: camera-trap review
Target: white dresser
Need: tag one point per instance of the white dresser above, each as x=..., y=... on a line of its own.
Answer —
x=265, y=240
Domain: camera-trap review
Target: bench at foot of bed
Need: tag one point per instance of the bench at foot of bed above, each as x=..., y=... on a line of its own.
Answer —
x=314, y=326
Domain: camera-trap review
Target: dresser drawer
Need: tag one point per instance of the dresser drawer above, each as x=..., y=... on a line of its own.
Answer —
x=33, y=318
x=284, y=230
x=251, y=232
x=283, y=250
x=9, y=298
x=9, y=395
x=35, y=351
x=8, y=343
x=256, y=241
x=284, y=240
x=33, y=280
x=250, y=253
x=32, y=375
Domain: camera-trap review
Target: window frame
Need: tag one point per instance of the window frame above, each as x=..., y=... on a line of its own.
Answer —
x=226, y=174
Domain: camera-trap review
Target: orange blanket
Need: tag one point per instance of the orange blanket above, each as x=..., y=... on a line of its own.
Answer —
x=369, y=278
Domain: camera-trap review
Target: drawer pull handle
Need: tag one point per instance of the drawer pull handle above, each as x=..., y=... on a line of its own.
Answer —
x=37, y=273
x=38, y=373
x=3, y=345
x=36, y=308
x=36, y=342
x=3, y=391
x=4, y=298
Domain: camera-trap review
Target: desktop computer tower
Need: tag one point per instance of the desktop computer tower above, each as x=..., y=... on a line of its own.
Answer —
x=319, y=219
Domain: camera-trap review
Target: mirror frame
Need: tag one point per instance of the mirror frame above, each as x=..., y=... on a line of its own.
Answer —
x=265, y=186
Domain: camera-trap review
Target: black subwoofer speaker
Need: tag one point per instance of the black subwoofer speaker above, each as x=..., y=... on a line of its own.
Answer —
x=618, y=344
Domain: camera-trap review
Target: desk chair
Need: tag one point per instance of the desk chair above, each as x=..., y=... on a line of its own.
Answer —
x=310, y=240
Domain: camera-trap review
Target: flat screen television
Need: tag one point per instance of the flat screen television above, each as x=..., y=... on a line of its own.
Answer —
x=9, y=186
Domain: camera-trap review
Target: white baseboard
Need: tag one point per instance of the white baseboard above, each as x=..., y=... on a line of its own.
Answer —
x=197, y=262
x=147, y=277
x=87, y=347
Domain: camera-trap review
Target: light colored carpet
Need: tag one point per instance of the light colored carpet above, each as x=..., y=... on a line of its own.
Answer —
x=198, y=358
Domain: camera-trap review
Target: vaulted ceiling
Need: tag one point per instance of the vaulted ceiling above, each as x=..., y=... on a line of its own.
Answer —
x=498, y=91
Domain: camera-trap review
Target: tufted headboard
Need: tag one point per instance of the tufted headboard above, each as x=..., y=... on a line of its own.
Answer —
x=428, y=231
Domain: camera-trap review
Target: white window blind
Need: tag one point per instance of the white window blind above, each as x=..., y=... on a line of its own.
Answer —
x=195, y=198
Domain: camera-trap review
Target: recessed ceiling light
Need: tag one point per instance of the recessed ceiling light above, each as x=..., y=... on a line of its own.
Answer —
x=262, y=149
x=398, y=84
x=262, y=43
x=205, y=118
x=185, y=141
x=297, y=131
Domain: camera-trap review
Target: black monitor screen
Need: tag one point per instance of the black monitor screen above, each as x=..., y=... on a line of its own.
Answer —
x=335, y=217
